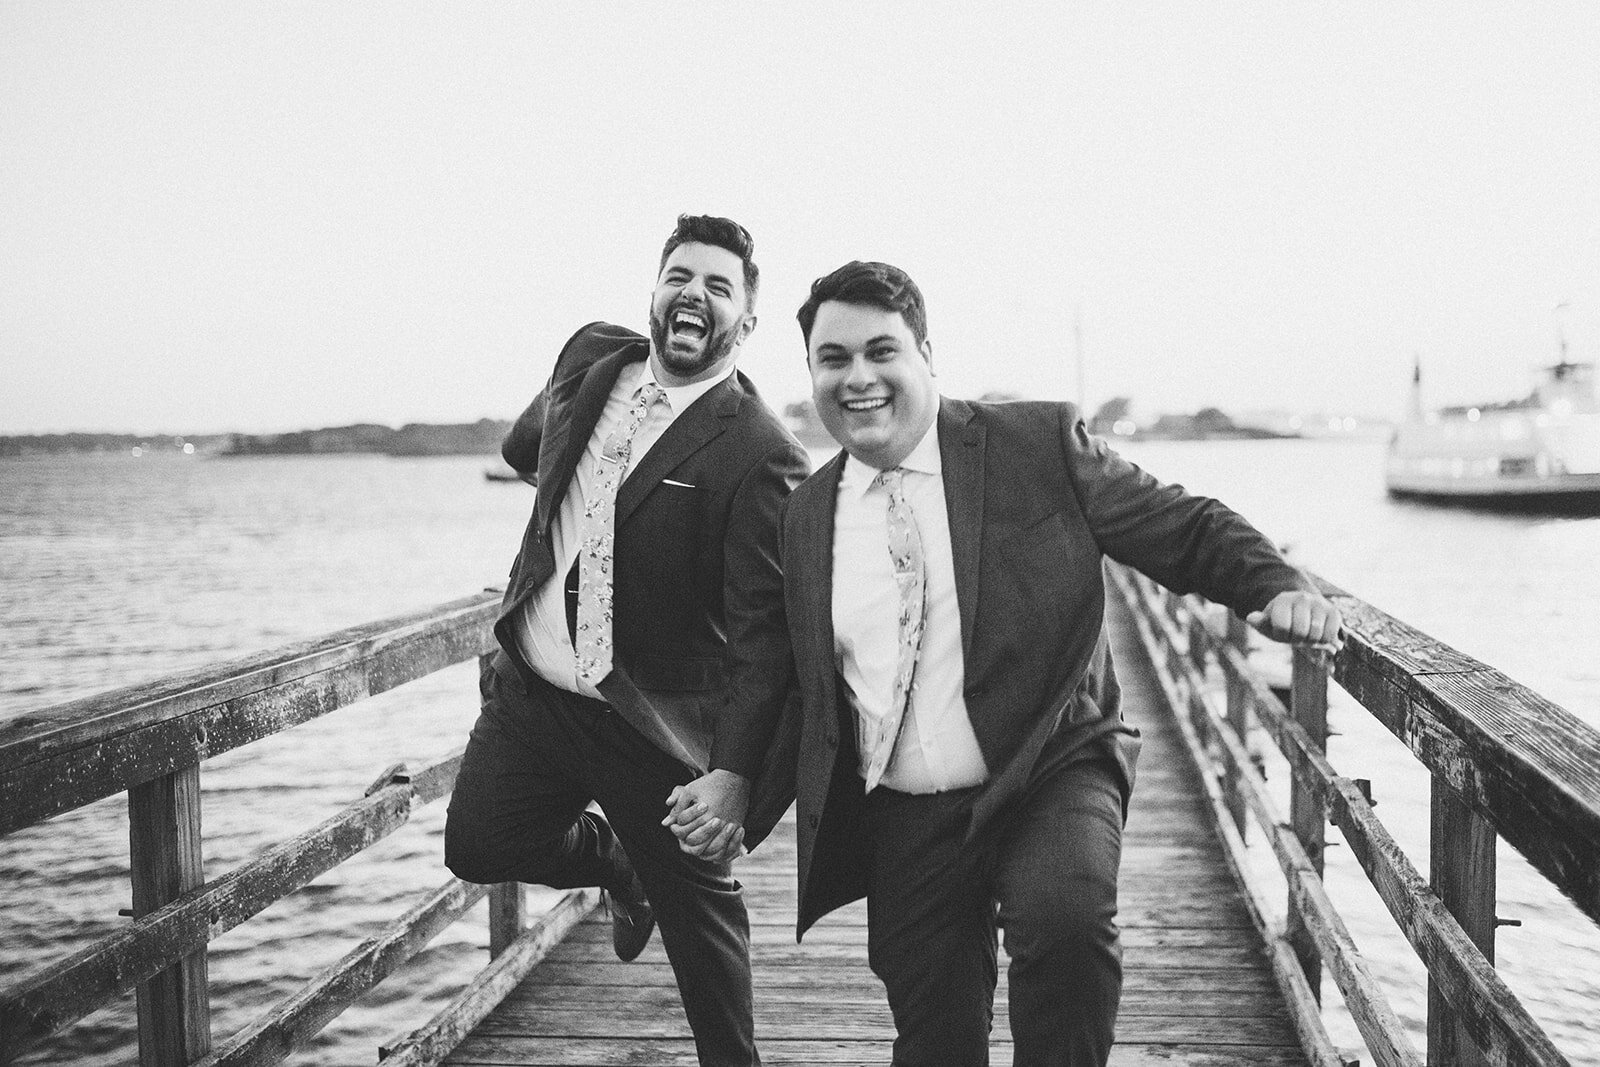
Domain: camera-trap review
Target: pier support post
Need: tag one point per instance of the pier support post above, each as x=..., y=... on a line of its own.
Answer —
x=1199, y=641
x=1199, y=652
x=1461, y=869
x=1239, y=699
x=164, y=847
x=1309, y=706
x=508, y=913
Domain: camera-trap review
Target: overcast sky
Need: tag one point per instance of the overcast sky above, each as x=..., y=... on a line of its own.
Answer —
x=273, y=216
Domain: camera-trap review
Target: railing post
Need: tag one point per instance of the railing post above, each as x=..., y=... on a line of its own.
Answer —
x=1177, y=656
x=1239, y=698
x=164, y=848
x=1198, y=653
x=1198, y=645
x=1199, y=640
x=1461, y=866
x=1309, y=705
x=508, y=912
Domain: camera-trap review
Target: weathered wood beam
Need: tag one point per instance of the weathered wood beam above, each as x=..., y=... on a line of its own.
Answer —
x=1307, y=817
x=430, y=1044
x=1241, y=702
x=1380, y=1026
x=1492, y=1018
x=1307, y=764
x=300, y=1017
x=508, y=914
x=67, y=725
x=1491, y=1012
x=174, y=1006
x=60, y=993
x=1515, y=758
x=72, y=754
x=1154, y=628
x=1461, y=869
x=1318, y=917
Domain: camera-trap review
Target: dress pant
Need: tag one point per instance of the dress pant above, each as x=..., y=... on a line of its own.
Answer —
x=535, y=760
x=1046, y=875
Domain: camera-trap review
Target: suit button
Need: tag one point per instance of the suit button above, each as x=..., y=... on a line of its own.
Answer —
x=811, y=820
x=831, y=741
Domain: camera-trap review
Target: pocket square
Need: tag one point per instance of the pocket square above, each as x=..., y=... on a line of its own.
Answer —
x=681, y=485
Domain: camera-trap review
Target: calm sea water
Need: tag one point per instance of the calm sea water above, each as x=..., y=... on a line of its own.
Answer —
x=116, y=570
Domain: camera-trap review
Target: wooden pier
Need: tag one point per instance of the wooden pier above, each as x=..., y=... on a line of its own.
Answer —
x=1198, y=989
x=1221, y=968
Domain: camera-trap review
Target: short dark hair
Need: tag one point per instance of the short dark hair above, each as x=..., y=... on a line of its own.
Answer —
x=874, y=284
x=723, y=233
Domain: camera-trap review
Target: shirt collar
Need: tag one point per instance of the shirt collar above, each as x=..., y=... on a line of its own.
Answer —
x=858, y=477
x=679, y=397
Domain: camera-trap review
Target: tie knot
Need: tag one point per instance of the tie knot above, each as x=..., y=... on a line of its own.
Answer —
x=892, y=478
x=650, y=393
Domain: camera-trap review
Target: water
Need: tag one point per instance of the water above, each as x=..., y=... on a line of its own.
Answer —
x=116, y=570
x=1516, y=592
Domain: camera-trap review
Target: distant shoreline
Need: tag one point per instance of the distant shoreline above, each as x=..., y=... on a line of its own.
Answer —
x=481, y=438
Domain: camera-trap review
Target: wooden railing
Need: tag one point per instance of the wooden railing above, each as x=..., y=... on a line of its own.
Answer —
x=1503, y=761
x=150, y=741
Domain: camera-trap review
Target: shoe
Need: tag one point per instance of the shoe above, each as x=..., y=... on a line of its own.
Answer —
x=632, y=919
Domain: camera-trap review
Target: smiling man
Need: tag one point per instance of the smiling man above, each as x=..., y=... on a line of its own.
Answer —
x=642, y=657
x=963, y=762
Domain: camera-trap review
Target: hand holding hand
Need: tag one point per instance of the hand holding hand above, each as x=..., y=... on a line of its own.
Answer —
x=707, y=815
x=1301, y=618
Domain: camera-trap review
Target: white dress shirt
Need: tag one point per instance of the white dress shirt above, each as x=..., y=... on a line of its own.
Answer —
x=937, y=749
x=542, y=634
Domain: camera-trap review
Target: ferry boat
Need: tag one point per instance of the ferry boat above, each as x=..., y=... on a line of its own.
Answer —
x=1540, y=453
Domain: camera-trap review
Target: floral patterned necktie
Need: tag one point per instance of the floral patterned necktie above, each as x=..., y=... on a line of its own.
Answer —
x=905, y=551
x=592, y=638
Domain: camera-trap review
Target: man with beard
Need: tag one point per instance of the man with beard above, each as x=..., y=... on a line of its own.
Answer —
x=642, y=657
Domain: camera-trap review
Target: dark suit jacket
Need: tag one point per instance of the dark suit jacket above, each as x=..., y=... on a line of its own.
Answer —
x=700, y=656
x=1035, y=504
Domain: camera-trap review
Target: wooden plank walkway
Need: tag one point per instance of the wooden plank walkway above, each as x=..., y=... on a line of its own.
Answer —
x=1198, y=988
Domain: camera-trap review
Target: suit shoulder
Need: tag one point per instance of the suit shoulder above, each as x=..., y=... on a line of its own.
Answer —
x=594, y=341
x=817, y=489
x=1025, y=412
x=1028, y=424
x=606, y=332
x=757, y=416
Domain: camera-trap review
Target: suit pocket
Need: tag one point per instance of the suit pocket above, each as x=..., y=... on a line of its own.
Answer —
x=676, y=510
x=658, y=558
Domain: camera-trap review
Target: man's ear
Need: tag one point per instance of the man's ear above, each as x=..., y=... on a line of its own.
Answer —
x=746, y=328
x=926, y=348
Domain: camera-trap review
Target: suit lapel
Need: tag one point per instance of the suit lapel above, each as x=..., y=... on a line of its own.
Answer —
x=560, y=452
x=705, y=419
x=810, y=570
x=961, y=452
